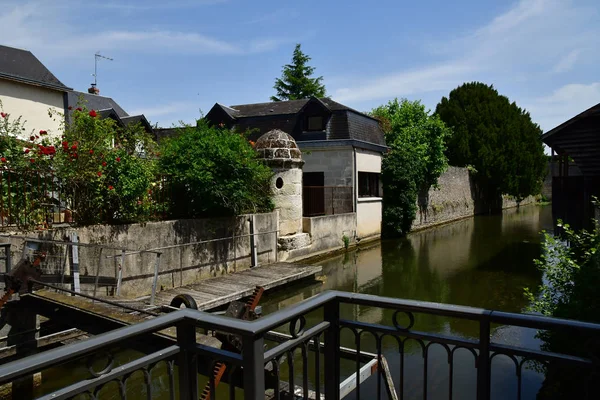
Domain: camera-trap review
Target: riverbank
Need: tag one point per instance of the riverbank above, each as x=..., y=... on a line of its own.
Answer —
x=453, y=199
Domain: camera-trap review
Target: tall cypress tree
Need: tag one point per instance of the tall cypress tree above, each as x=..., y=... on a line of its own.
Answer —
x=496, y=138
x=296, y=82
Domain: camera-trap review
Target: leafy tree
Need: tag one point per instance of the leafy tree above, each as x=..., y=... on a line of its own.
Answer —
x=415, y=161
x=213, y=172
x=571, y=267
x=496, y=138
x=296, y=82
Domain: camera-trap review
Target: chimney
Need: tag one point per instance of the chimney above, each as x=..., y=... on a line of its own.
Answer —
x=93, y=89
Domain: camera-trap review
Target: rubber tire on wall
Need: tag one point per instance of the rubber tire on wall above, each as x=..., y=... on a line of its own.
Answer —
x=184, y=299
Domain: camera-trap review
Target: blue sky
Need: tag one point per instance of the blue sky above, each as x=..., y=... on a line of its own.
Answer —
x=173, y=58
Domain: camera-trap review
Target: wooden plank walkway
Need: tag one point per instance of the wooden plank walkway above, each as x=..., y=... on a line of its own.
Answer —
x=209, y=294
x=216, y=292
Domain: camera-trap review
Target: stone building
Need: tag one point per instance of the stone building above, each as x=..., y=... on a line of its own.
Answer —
x=342, y=151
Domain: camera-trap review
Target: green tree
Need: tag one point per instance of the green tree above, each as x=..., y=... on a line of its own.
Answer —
x=296, y=82
x=496, y=138
x=415, y=161
x=214, y=172
x=571, y=267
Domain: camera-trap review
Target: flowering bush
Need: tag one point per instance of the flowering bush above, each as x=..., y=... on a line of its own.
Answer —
x=101, y=168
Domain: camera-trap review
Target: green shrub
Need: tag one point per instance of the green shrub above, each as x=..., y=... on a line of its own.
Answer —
x=415, y=161
x=571, y=267
x=214, y=172
x=346, y=241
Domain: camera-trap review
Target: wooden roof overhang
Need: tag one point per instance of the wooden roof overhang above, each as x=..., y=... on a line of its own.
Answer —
x=579, y=138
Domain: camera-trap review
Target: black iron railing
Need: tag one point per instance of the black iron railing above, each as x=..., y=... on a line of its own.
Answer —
x=308, y=360
x=327, y=200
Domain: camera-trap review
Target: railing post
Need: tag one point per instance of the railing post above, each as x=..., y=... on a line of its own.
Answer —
x=483, y=363
x=155, y=280
x=188, y=362
x=331, y=351
x=253, y=252
x=254, y=367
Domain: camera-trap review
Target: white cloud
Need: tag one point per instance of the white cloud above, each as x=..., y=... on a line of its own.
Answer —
x=149, y=5
x=46, y=30
x=563, y=104
x=406, y=83
x=519, y=45
x=567, y=62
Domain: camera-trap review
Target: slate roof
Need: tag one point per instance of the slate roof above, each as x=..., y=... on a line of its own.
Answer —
x=343, y=122
x=282, y=108
x=95, y=102
x=22, y=66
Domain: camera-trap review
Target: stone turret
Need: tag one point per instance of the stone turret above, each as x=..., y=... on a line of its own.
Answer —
x=282, y=155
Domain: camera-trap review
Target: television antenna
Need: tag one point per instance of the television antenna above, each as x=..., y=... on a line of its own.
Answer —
x=98, y=56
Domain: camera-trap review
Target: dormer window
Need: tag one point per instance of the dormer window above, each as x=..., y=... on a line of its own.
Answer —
x=314, y=123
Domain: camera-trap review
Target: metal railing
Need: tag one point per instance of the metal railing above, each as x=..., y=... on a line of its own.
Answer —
x=260, y=365
x=327, y=200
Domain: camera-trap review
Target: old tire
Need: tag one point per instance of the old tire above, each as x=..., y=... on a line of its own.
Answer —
x=185, y=299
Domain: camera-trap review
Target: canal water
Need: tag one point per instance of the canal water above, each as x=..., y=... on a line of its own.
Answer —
x=485, y=261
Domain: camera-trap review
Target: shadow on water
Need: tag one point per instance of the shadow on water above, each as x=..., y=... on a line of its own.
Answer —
x=484, y=262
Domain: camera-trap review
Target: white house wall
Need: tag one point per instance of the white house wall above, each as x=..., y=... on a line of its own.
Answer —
x=368, y=161
x=368, y=210
x=32, y=103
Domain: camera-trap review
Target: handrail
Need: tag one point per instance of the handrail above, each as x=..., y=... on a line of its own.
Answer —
x=254, y=332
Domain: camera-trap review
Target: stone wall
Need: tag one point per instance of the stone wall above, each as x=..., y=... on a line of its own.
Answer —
x=326, y=232
x=337, y=164
x=454, y=199
x=178, y=265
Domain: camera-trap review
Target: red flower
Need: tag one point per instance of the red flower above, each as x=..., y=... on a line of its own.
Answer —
x=32, y=138
x=111, y=187
x=32, y=160
x=3, y=159
x=99, y=173
x=118, y=159
x=70, y=107
x=74, y=147
x=74, y=155
x=43, y=132
x=93, y=114
x=26, y=151
x=104, y=163
x=79, y=109
x=91, y=151
x=3, y=115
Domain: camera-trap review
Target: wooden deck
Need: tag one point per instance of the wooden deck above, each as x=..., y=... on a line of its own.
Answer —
x=209, y=294
x=216, y=292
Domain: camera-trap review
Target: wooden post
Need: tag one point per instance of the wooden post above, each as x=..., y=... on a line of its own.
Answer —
x=75, y=249
x=23, y=334
x=120, y=272
x=253, y=252
x=155, y=280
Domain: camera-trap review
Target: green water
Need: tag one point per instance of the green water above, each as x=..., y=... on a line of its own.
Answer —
x=484, y=261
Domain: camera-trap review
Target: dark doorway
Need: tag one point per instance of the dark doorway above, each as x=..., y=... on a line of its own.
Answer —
x=313, y=193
